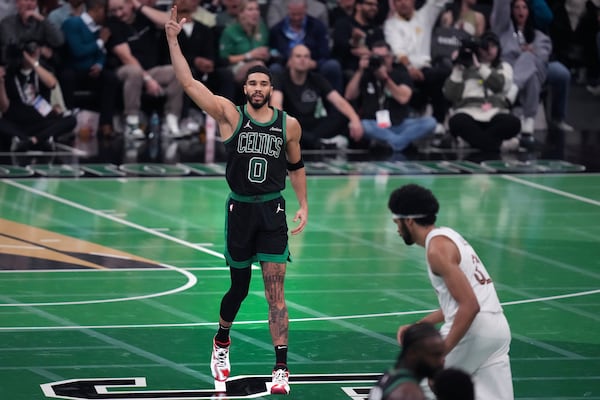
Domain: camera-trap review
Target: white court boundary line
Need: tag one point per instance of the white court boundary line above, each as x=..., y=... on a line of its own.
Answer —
x=294, y=320
x=551, y=190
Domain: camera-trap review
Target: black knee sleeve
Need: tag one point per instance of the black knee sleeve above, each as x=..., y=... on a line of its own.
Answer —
x=240, y=284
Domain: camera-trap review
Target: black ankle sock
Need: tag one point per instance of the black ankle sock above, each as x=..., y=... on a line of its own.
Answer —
x=280, y=366
x=281, y=356
x=222, y=335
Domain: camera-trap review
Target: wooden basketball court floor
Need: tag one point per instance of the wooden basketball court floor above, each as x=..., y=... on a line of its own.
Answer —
x=110, y=288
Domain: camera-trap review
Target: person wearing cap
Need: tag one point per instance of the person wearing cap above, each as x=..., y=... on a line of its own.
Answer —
x=475, y=331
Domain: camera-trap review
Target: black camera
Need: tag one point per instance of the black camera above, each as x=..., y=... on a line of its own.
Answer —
x=468, y=47
x=14, y=52
x=30, y=47
x=375, y=62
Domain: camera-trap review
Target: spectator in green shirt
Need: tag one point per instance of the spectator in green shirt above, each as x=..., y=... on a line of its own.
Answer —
x=245, y=43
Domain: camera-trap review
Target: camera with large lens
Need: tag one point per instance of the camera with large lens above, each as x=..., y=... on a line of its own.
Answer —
x=375, y=62
x=468, y=47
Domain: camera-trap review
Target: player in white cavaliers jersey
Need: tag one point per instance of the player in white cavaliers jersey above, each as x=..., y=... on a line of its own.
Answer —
x=475, y=330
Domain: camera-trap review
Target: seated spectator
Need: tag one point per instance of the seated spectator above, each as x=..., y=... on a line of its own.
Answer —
x=528, y=50
x=29, y=24
x=409, y=34
x=299, y=28
x=29, y=118
x=245, y=43
x=478, y=88
x=463, y=16
x=572, y=30
x=301, y=93
x=382, y=91
x=84, y=66
x=277, y=10
x=453, y=384
x=353, y=37
x=135, y=32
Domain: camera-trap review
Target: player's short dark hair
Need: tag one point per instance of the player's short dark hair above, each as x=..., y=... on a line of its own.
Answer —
x=416, y=333
x=453, y=384
x=259, y=68
x=413, y=199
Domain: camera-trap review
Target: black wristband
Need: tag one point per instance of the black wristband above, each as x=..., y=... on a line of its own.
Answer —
x=295, y=166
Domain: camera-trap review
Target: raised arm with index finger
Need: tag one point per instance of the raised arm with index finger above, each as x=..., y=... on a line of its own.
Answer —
x=218, y=107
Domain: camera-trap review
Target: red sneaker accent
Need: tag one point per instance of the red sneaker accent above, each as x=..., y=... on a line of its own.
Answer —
x=280, y=382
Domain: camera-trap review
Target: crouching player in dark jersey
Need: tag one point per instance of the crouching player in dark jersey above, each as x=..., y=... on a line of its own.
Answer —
x=422, y=356
x=263, y=146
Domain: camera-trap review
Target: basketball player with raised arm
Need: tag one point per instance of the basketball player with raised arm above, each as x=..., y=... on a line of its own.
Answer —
x=263, y=147
x=475, y=330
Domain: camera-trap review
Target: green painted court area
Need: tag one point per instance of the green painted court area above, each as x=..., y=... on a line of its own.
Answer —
x=107, y=279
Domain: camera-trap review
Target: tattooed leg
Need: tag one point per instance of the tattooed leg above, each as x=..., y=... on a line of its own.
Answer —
x=273, y=277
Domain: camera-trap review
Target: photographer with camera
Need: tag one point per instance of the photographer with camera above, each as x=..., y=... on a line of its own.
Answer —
x=28, y=117
x=478, y=88
x=382, y=91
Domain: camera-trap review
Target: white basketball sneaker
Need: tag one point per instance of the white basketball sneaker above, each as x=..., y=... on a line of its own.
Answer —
x=280, y=382
x=219, y=362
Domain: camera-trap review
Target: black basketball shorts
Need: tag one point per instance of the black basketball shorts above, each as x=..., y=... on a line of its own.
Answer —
x=256, y=231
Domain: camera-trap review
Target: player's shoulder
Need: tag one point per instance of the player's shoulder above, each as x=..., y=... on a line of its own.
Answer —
x=293, y=128
x=291, y=122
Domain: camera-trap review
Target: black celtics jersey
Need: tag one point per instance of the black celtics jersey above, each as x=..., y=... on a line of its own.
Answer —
x=256, y=159
x=389, y=382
